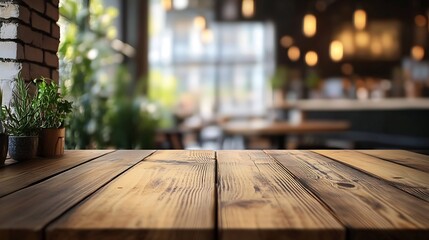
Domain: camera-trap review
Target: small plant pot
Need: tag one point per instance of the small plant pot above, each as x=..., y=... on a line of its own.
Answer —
x=23, y=147
x=51, y=142
x=4, y=142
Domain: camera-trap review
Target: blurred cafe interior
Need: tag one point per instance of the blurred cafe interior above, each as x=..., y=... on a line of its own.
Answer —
x=257, y=74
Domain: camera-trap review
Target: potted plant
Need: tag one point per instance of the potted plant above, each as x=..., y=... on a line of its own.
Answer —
x=4, y=139
x=53, y=110
x=21, y=120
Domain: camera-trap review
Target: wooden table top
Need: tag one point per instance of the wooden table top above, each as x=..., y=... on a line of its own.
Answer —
x=283, y=127
x=181, y=194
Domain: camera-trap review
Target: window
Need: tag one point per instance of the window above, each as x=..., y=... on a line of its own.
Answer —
x=220, y=68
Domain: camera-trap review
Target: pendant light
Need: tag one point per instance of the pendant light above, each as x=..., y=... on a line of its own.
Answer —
x=309, y=25
x=248, y=8
x=336, y=51
x=359, y=19
x=311, y=58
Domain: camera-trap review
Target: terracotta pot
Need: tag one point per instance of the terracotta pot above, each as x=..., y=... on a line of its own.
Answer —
x=51, y=142
x=23, y=147
x=4, y=142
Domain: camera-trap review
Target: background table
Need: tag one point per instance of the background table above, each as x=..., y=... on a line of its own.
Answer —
x=276, y=194
x=278, y=131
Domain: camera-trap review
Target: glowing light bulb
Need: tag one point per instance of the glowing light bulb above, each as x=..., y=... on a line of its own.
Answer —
x=180, y=4
x=293, y=53
x=309, y=25
x=336, y=51
x=286, y=41
x=420, y=20
x=207, y=36
x=167, y=5
x=417, y=52
x=248, y=8
x=359, y=19
x=311, y=58
x=362, y=39
x=200, y=22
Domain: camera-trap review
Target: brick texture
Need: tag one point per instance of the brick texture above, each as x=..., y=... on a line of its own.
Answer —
x=55, y=31
x=40, y=22
x=50, y=43
x=29, y=41
x=33, y=54
x=51, y=59
x=37, y=71
x=52, y=12
x=24, y=14
x=37, y=5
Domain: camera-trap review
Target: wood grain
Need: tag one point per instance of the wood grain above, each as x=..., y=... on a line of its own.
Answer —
x=25, y=213
x=369, y=207
x=408, y=179
x=170, y=195
x=183, y=155
x=406, y=158
x=258, y=199
x=23, y=174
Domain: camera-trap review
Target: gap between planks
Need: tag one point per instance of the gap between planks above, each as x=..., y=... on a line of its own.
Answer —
x=368, y=206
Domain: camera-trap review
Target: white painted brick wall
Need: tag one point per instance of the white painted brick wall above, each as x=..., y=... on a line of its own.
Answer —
x=8, y=30
x=6, y=87
x=8, y=70
x=8, y=50
x=9, y=10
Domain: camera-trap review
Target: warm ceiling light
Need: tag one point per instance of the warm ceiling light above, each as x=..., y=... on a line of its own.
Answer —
x=359, y=19
x=167, y=4
x=180, y=4
x=293, y=53
x=417, y=52
x=200, y=22
x=362, y=39
x=206, y=35
x=286, y=41
x=336, y=51
x=420, y=20
x=376, y=47
x=309, y=25
x=347, y=39
x=311, y=58
x=248, y=8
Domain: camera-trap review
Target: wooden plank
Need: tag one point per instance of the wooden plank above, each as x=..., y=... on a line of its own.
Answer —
x=408, y=179
x=183, y=155
x=259, y=199
x=170, y=195
x=369, y=207
x=406, y=158
x=23, y=174
x=25, y=213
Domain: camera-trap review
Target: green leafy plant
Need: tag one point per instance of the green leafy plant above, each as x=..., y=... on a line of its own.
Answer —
x=21, y=117
x=110, y=109
x=53, y=108
x=279, y=78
